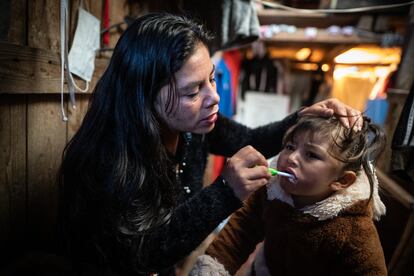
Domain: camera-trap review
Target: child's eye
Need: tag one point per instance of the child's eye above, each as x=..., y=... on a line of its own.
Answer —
x=289, y=146
x=212, y=80
x=312, y=155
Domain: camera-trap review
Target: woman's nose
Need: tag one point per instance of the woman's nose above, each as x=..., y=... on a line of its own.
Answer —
x=212, y=97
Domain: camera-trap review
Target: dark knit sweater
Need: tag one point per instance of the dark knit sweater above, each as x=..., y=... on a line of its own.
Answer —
x=197, y=214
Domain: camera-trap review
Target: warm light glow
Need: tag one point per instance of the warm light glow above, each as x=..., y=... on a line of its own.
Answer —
x=354, y=85
x=382, y=73
x=357, y=56
x=307, y=66
x=303, y=54
x=370, y=55
x=288, y=53
x=341, y=72
x=361, y=74
x=316, y=55
x=325, y=67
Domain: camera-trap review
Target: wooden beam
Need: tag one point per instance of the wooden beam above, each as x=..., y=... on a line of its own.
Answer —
x=396, y=190
x=401, y=258
x=27, y=70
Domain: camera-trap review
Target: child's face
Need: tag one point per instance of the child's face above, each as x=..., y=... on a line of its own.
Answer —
x=315, y=169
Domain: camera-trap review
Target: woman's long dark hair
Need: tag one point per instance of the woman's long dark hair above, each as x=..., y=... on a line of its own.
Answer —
x=116, y=166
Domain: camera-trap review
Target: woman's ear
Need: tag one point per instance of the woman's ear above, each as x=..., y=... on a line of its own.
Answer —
x=344, y=181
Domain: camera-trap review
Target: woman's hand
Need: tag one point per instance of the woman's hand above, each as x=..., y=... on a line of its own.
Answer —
x=246, y=171
x=348, y=116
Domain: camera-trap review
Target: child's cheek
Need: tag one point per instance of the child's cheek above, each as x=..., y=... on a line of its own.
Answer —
x=281, y=159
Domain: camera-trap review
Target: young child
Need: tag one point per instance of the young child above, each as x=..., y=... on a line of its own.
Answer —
x=319, y=224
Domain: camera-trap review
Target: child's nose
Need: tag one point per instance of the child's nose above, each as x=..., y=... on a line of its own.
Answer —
x=293, y=158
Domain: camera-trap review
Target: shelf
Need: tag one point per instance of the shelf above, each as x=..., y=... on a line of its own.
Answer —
x=323, y=39
x=270, y=16
x=385, y=21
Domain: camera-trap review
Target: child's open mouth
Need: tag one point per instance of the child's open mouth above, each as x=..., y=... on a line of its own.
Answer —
x=291, y=177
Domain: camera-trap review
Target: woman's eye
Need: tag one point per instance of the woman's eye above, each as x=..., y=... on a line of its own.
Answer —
x=192, y=95
x=212, y=80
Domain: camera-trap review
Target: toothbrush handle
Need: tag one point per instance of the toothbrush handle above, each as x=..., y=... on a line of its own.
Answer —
x=272, y=171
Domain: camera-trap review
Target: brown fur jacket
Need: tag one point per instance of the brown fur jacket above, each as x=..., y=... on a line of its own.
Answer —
x=335, y=236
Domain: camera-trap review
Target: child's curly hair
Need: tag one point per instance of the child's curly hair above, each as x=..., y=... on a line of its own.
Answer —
x=355, y=149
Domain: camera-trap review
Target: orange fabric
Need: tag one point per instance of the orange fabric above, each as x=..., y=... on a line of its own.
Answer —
x=218, y=163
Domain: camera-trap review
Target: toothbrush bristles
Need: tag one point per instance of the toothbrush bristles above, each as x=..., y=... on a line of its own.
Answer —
x=291, y=177
x=286, y=174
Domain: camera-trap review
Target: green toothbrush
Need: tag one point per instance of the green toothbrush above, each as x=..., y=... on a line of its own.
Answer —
x=274, y=172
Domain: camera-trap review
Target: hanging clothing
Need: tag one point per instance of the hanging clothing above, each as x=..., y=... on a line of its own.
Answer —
x=233, y=59
x=240, y=23
x=225, y=91
x=224, y=88
x=259, y=74
x=234, y=22
x=317, y=79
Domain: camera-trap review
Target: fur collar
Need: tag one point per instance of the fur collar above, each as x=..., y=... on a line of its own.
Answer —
x=339, y=201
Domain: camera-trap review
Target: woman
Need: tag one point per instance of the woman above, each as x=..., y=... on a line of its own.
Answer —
x=132, y=198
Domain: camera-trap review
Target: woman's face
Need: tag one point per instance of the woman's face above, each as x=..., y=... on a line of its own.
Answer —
x=197, y=96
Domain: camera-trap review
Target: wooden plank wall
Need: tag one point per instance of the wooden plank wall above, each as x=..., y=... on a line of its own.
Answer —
x=13, y=158
x=13, y=176
x=32, y=134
